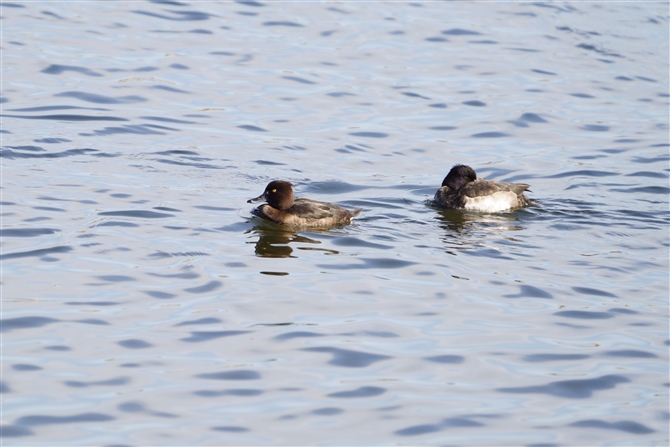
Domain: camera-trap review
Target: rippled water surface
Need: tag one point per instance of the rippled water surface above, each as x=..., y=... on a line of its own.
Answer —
x=143, y=305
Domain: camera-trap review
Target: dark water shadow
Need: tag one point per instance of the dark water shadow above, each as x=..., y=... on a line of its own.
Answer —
x=12, y=154
x=26, y=367
x=160, y=295
x=231, y=429
x=447, y=359
x=252, y=3
x=15, y=431
x=109, y=382
x=179, y=16
x=145, y=214
x=205, y=288
x=298, y=79
x=200, y=336
x=460, y=32
x=297, y=334
x=252, y=128
x=369, y=134
x=209, y=320
x=26, y=232
x=282, y=23
x=534, y=358
x=139, y=407
x=66, y=117
x=571, y=389
x=100, y=99
x=9, y=324
x=134, y=344
x=238, y=374
x=92, y=303
x=595, y=292
x=369, y=263
x=631, y=354
x=526, y=118
x=332, y=187
x=364, y=391
x=530, y=292
x=56, y=69
x=584, y=314
x=327, y=411
x=136, y=129
x=74, y=419
x=232, y=392
x=58, y=348
x=348, y=358
x=628, y=426
x=454, y=422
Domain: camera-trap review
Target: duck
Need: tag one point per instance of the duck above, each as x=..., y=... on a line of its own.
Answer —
x=282, y=208
x=461, y=189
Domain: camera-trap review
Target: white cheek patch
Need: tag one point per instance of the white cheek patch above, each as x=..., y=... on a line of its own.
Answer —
x=499, y=201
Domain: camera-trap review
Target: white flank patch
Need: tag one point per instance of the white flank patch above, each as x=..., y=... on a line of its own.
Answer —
x=499, y=201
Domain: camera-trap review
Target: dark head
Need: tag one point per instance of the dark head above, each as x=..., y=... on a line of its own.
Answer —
x=459, y=176
x=278, y=194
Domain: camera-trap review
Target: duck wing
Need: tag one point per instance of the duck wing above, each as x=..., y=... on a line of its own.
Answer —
x=315, y=210
x=483, y=187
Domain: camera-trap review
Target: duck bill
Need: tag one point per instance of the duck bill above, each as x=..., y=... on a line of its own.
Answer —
x=260, y=198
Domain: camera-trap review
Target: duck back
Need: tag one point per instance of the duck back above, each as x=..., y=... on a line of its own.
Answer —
x=309, y=213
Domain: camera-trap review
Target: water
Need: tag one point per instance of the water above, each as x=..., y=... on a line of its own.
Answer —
x=143, y=305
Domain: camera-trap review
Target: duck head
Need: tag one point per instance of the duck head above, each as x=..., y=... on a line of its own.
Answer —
x=278, y=194
x=459, y=176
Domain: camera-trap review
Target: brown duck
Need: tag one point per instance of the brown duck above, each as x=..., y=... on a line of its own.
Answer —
x=282, y=208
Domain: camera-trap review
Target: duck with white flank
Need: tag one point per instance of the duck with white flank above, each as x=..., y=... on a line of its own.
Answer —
x=461, y=189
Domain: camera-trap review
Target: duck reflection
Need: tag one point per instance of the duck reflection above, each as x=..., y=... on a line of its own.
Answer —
x=274, y=242
x=465, y=222
x=469, y=230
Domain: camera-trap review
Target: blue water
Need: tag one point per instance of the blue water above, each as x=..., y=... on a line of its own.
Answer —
x=142, y=304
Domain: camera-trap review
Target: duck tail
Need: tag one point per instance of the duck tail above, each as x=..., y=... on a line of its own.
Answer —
x=519, y=188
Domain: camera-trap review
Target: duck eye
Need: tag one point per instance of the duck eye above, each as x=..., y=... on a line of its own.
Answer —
x=274, y=190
